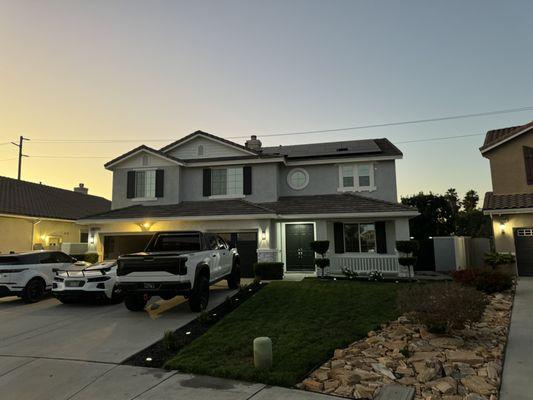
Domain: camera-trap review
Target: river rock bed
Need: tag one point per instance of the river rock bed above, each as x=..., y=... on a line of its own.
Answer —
x=463, y=365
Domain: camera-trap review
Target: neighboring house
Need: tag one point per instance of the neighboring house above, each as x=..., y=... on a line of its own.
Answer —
x=270, y=202
x=36, y=216
x=510, y=204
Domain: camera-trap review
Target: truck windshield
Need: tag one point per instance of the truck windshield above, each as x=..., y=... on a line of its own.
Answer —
x=175, y=242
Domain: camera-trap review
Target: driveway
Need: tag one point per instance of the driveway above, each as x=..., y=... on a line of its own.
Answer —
x=100, y=333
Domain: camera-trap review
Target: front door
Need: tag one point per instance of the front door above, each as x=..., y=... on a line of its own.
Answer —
x=299, y=256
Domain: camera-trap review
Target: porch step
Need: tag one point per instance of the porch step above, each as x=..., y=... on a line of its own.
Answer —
x=396, y=392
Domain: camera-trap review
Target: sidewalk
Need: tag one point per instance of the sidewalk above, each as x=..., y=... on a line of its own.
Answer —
x=55, y=379
x=518, y=366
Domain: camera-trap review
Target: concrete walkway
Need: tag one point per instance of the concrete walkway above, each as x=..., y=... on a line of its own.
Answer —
x=27, y=378
x=518, y=366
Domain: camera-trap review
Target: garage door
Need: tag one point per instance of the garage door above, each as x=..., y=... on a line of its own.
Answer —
x=524, y=251
x=246, y=244
x=117, y=245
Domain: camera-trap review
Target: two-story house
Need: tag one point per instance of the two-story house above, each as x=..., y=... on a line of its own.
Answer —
x=510, y=204
x=270, y=202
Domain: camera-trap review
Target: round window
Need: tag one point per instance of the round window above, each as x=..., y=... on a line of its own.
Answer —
x=298, y=178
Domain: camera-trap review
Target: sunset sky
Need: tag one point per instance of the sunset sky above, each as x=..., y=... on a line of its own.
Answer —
x=133, y=72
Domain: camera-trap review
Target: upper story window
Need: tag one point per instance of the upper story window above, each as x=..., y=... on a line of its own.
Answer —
x=356, y=177
x=227, y=182
x=145, y=184
x=297, y=178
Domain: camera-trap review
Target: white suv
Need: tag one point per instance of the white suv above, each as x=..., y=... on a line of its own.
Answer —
x=30, y=275
x=177, y=263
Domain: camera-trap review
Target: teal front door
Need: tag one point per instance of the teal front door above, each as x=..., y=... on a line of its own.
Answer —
x=298, y=253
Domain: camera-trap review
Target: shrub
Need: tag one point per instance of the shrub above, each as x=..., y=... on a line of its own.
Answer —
x=495, y=259
x=268, y=270
x=407, y=261
x=171, y=341
x=349, y=274
x=320, y=246
x=487, y=280
x=375, y=276
x=442, y=306
x=88, y=257
x=407, y=246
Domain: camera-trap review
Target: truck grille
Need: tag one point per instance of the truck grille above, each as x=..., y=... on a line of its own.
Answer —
x=172, y=265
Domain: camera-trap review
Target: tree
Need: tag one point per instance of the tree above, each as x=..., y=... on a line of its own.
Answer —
x=453, y=198
x=436, y=215
x=470, y=200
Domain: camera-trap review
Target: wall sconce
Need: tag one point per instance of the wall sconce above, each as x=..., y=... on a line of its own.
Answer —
x=145, y=226
x=43, y=238
x=503, y=221
x=91, y=239
x=263, y=234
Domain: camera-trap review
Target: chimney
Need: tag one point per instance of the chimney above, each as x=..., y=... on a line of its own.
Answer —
x=253, y=143
x=81, y=189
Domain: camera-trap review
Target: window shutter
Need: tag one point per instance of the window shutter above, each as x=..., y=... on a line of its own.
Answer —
x=130, y=190
x=160, y=183
x=207, y=182
x=528, y=160
x=338, y=236
x=247, y=180
x=381, y=237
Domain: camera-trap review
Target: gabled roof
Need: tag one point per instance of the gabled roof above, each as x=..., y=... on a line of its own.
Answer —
x=507, y=201
x=497, y=137
x=290, y=205
x=35, y=200
x=139, y=149
x=364, y=147
x=184, y=139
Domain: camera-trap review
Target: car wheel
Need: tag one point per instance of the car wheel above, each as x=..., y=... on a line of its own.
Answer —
x=234, y=279
x=34, y=290
x=199, y=297
x=135, y=302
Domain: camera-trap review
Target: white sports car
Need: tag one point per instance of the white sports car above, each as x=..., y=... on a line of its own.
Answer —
x=95, y=282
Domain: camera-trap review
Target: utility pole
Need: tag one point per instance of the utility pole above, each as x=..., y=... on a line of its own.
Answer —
x=19, y=145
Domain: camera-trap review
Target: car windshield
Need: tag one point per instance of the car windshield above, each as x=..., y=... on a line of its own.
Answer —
x=175, y=242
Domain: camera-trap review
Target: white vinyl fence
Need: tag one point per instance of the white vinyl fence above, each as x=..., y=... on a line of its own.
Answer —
x=363, y=264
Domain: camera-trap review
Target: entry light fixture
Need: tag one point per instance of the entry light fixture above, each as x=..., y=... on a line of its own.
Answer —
x=263, y=234
x=503, y=221
x=145, y=226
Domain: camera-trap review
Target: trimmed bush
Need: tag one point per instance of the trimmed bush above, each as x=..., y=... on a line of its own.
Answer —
x=88, y=257
x=320, y=246
x=268, y=270
x=442, y=306
x=407, y=246
x=487, y=280
x=407, y=261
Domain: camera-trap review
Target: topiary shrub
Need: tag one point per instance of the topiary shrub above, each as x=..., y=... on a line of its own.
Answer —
x=485, y=279
x=407, y=246
x=268, y=270
x=442, y=306
x=321, y=247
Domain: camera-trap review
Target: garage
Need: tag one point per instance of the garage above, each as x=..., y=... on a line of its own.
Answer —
x=524, y=251
x=117, y=245
x=246, y=244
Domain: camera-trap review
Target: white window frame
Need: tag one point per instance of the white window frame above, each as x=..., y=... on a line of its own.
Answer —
x=228, y=196
x=154, y=198
x=356, y=187
x=293, y=171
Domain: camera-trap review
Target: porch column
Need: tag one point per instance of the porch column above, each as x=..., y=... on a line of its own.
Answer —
x=321, y=227
x=402, y=229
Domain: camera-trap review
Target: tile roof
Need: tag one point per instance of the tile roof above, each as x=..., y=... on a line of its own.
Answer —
x=334, y=203
x=336, y=149
x=507, y=201
x=321, y=204
x=136, y=149
x=496, y=136
x=37, y=200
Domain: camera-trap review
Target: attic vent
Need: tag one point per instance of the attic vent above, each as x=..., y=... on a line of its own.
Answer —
x=342, y=149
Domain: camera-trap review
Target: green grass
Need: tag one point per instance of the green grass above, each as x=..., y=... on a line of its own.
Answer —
x=306, y=321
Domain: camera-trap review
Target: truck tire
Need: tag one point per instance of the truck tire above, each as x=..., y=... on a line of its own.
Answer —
x=34, y=290
x=199, y=297
x=135, y=302
x=234, y=279
x=116, y=296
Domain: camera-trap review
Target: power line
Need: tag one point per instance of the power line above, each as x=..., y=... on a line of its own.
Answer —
x=358, y=127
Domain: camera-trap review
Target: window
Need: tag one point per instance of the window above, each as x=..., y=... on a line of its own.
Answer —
x=84, y=237
x=183, y=242
x=360, y=238
x=298, y=178
x=211, y=241
x=356, y=177
x=145, y=184
x=227, y=182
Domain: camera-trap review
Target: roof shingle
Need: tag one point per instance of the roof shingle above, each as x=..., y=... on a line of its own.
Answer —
x=496, y=136
x=37, y=200
x=507, y=201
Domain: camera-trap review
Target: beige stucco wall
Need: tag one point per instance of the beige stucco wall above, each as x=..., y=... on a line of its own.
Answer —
x=504, y=240
x=507, y=166
x=16, y=233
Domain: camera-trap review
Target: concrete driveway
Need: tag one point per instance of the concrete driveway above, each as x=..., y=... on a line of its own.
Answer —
x=99, y=333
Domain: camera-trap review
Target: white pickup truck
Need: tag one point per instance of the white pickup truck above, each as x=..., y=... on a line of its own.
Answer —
x=177, y=264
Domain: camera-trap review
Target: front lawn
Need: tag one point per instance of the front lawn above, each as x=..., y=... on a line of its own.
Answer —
x=306, y=321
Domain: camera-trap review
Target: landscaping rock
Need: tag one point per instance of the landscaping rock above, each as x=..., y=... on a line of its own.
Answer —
x=383, y=370
x=478, y=384
x=468, y=357
x=315, y=386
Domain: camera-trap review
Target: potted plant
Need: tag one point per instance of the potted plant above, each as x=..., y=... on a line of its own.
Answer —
x=321, y=247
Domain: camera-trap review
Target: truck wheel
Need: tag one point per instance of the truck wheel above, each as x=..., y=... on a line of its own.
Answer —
x=234, y=279
x=34, y=290
x=199, y=297
x=135, y=302
x=116, y=296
